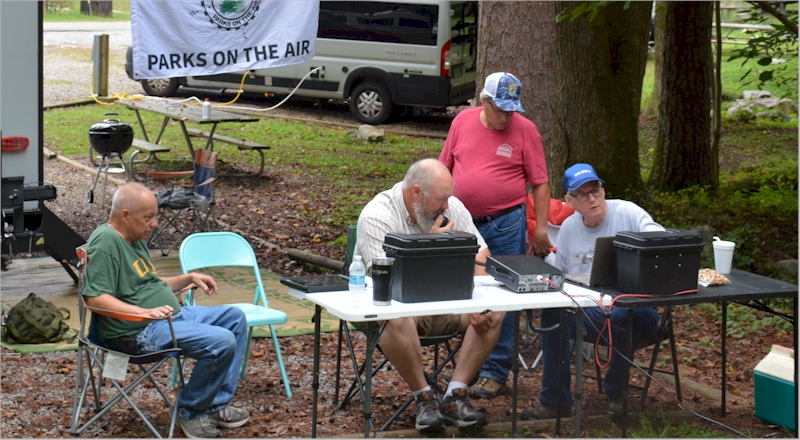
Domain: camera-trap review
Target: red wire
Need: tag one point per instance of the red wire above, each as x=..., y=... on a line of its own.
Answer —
x=607, y=324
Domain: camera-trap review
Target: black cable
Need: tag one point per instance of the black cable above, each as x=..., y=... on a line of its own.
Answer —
x=630, y=362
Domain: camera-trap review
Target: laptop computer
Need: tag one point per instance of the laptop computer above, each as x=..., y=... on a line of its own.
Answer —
x=604, y=265
x=317, y=283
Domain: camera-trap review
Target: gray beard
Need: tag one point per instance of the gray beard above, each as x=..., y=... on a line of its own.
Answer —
x=424, y=222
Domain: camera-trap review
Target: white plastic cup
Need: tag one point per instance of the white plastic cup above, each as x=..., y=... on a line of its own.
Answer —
x=723, y=255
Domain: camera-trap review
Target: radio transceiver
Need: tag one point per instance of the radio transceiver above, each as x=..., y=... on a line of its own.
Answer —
x=519, y=273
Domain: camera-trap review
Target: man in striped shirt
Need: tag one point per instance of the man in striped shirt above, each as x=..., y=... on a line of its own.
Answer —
x=419, y=205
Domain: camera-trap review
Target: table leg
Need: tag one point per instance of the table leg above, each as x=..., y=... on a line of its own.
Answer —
x=515, y=371
x=161, y=130
x=315, y=374
x=372, y=337
x=210, y=140
x=579, y=334
x=628, y=350
x=562, y=350
x=141, y=125
x=724, y=353
x=188, y=139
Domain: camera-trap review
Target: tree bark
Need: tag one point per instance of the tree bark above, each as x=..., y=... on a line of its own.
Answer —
x=499, y=50
x=659, y=23
x=598, y=70
x=683, y=148
x=101, y=8
x=582, y=81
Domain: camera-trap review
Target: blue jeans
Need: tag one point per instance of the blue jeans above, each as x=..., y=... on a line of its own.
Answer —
x=216, y=337
x=645, y=325
x=505, y=236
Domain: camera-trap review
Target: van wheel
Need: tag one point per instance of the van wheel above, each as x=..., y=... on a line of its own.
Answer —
x=160, y=86
x=370, y=103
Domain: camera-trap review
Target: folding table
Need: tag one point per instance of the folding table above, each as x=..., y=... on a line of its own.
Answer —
x=745, y=288
x=487, y=295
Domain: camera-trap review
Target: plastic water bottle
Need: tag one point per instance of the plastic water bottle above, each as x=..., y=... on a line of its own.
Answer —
x=206, y=109
x=357, y=284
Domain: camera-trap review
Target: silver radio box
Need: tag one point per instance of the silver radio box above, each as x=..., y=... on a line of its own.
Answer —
x=520, y=273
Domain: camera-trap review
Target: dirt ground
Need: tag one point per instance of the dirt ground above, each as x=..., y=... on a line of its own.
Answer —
x=37, y=389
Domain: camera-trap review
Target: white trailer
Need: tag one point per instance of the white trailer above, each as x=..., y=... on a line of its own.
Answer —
x=25, y=218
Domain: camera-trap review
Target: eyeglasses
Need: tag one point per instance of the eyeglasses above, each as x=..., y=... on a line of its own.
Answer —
x=581, y=196
x=497, y=109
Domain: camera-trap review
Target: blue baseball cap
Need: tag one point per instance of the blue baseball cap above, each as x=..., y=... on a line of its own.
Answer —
x=505, y=90
x=578, y=175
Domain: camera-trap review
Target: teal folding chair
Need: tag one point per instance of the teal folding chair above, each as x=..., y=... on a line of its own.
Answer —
x=226, y=249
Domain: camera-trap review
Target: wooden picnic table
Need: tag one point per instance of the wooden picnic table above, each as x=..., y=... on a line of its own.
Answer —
x=180, y=113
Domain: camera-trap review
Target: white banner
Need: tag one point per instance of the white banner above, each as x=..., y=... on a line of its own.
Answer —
x=186, y=38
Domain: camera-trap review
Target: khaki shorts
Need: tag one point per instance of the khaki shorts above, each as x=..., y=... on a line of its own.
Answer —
x=439, y=325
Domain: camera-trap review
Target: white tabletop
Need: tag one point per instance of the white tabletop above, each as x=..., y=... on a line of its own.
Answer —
x=489, y=294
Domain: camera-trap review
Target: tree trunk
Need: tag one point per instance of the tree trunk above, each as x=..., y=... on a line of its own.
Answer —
x=683, y=148
x=499, y=50
x=659, y=23
x=598, y=70
x=102, y=8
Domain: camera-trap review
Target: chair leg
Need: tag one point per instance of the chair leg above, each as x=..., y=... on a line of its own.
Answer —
x=675, y=363
x=285, y=378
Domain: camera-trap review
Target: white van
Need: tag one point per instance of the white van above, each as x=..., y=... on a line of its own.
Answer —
x=373, y=54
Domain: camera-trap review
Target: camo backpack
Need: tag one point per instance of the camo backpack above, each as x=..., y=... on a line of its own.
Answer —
x=35, y=321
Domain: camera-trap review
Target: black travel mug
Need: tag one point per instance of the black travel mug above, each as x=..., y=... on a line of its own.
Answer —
x=382, y=272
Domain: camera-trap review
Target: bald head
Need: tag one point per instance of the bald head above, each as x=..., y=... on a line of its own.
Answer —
x=132, y=197
x=428, y=174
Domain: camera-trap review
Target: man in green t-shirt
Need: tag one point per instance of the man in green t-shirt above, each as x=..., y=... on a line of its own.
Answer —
x=120, y=277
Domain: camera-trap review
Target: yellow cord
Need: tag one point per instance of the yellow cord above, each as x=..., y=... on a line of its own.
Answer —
x=128, y=97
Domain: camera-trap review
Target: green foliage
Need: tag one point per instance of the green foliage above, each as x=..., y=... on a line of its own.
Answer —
x=764, y=46
x=59, y=11
x=589, y=8
x=756, y=203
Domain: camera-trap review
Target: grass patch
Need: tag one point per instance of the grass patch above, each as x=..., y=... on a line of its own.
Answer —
x=57, y=11
x=354, y=170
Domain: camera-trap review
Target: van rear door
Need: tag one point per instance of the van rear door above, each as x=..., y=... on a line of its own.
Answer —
x=463, y=54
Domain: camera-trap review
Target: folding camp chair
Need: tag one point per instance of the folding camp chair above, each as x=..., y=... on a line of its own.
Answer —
x=664, y=333
x=226, y=249
x=357, y=384
x=94, y=357
x=183, y=210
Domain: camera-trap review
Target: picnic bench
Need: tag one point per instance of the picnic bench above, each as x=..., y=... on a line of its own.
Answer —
x=142, y=146
x=242, y=144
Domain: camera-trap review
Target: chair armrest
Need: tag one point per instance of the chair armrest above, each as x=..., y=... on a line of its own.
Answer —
x=122, y=315
x=169, y=174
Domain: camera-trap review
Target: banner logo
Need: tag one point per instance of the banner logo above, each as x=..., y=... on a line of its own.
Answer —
x=230, y=15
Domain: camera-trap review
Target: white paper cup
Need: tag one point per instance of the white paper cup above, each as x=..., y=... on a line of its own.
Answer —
x=723, y=256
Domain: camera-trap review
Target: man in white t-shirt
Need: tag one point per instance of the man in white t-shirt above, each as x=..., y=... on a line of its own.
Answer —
x=594, y=217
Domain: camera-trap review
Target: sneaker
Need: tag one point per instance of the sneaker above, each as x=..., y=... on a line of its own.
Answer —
x=486, y=388
x=229, y=417
x=429, y=417
x=457, y=410
x=449, y=377
x=545, y=411
x=615, y=408
x=200, y=427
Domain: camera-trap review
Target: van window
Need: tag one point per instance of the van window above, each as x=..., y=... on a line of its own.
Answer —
x=384, y=22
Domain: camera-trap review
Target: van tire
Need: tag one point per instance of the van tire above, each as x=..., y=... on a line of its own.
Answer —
x=160, y=86
x=370, y=103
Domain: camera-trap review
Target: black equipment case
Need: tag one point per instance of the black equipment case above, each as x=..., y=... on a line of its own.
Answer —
x=659, y=262
x=432, y=267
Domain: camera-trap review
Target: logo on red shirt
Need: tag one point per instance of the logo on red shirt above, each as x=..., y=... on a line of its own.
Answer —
x=504, y=150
